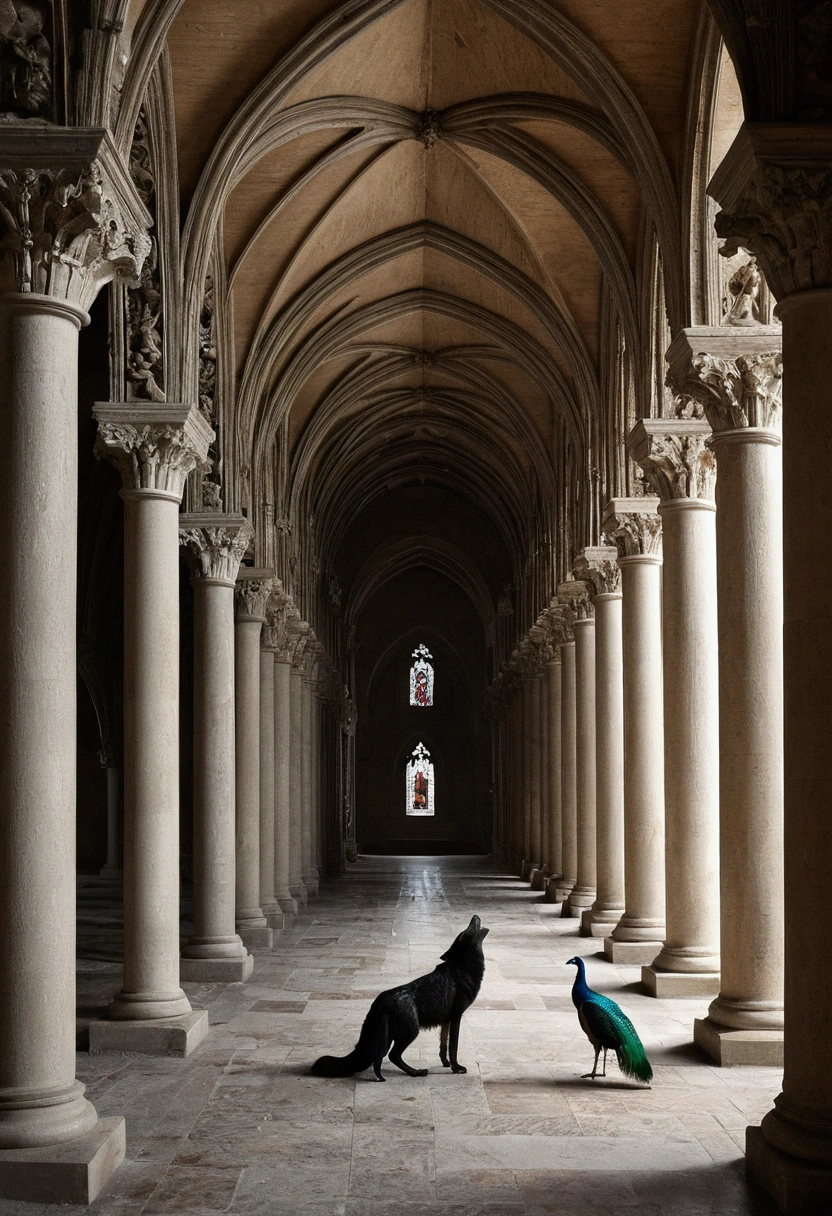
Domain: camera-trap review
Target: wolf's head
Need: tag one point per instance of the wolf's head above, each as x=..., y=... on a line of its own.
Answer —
x=467, y=944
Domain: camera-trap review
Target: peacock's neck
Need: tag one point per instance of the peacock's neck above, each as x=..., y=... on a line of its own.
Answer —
x=580, y=989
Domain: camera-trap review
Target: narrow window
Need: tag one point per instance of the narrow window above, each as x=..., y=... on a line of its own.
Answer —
x=419, y=782
x=421, y=677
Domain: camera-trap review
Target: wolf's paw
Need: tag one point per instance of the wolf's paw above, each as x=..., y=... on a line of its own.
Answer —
x=458, y=1068
x=380, y=1078
x=420, y=1072
x=446, y=1063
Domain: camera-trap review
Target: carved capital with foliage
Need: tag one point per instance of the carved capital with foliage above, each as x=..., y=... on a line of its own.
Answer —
x=674, y=456
x=575, y=598
x=735, y=375
x=254, y=586
x=597, y=566
x=634, y=526
x=154, y=446
x=775, y=190
x=71, y=217
x=216, y=544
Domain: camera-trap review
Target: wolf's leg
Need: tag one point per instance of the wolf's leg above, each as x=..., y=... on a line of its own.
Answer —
x=377, y=1069
x=454, y=1043
x=395, y=1056
x=443, y=1045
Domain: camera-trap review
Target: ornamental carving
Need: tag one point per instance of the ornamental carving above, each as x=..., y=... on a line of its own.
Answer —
x=575, y=598
x=251, y=594
x=741, y=293
x=215, y=549
x=153, y=447
x=207, y=353
x=145, y=358
x=598, y=567
x=736, y=393
x=26, y=58
x=280, y=615
x=675, y=457
x=784, y=217
x=69, y=233
x=635, y=533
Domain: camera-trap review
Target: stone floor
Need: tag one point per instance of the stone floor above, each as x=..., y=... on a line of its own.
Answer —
x=240, y=1127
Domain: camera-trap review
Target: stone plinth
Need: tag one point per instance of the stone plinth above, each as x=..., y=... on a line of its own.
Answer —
x=798, y=1187
x=632, y=954
x=216, y=970
x=593, y=924
x=261, y=937
x=72, y=1172
x=729, y=1047
x=155, y=1037
x=661, y=983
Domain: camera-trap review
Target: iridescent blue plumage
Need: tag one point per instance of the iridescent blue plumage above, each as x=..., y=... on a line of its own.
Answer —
x=608, y=1028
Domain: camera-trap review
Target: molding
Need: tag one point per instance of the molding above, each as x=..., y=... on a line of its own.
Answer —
x=154, y=446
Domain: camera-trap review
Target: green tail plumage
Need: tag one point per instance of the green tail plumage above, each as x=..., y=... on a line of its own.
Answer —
x=631, y=1056
x=613, y=1029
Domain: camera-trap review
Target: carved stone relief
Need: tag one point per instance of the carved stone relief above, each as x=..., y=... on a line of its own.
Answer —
x=145, y=352
x=26, y=59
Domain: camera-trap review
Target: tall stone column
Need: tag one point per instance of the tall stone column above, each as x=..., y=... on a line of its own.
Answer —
x=569, y=803
x=216, y=544
x=268, y=647
x=282, y=611
x=154, y=446
x=636, y=527
x=58, y=256
x=575, y=594
x=553, y=758
x=298, y=635
x=736, y=374
x=775, y=188
x=253, y=589
x=531, y=758
x=309, y=872
x=112, y=867
x=674, y=454
x=540, y=877
x=598, y=567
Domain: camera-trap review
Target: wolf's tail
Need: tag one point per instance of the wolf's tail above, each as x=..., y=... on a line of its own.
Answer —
x=373, y=1044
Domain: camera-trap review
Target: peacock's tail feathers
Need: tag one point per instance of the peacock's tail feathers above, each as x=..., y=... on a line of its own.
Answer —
x=614, y=1030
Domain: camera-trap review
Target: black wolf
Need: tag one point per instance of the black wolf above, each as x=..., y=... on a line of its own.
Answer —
x=396, y=1016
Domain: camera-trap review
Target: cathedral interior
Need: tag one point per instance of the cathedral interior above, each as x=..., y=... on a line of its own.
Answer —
x=410, y=422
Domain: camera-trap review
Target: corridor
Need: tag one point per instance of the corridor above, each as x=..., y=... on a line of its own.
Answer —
x=240, y=1127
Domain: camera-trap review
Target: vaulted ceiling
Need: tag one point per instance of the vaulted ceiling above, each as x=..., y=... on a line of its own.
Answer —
x=428, y=211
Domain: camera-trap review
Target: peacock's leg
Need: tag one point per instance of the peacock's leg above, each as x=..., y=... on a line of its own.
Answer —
x=604, y=1073
x=591, y=1075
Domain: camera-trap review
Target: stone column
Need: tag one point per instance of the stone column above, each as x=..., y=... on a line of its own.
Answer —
x=569, y=805
x=531, y=715
x=268, y=902
x=309, y=872
x=775, y=188
x=297, y=886
x=636, y=528
x=598, y=567
x=553, y=756
x=281, y=612
x=519, y=833
x=52, y=274
x=112, y=868
x=576, y=595
x=216, y=544
x=540, y=876
x=736, y=374
x=253, y=589
x=679, y=465
x=154, y=446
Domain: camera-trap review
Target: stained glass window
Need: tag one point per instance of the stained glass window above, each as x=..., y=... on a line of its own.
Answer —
x=419, y=782
x=421, y=677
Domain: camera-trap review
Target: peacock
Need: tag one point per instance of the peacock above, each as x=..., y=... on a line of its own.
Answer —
x=608, y=1028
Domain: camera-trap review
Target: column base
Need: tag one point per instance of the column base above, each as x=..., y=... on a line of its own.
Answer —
x=557, y=890
x=580, y=898
x=275, y=920
x=526, y=868
x=288, y=905
x=164, y=1037
x=72, y=1172
x=539, y=878
x=112, y=873
x=798, y=1188
x=631, y=954
x=598, y=922
x=729, y=1047
x=216, y=970
x=298, y=891
x=259, y=938
x=660, y=983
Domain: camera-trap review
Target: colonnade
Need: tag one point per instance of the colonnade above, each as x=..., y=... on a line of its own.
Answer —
x=661, y=822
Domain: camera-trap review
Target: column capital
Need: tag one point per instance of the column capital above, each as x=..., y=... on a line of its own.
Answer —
x=597, y=566
x=575, y=598
x=674, y=456
x=775, y=189
x=254, y=585
x=216, y=543
x=153, y=445
x=634, y=526
x=73, y=219
x=297, y=638
x=735, y=374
